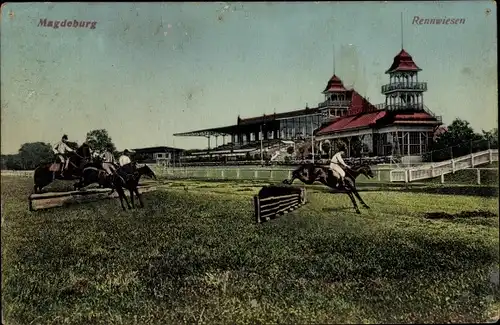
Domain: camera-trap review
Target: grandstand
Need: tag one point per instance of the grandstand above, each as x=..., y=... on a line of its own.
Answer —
x=402, y=127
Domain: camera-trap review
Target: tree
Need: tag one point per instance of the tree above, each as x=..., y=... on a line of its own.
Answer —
x=99, y=140
x=356, y=147
x=339, y=144
x=491, y=137
x=326, y=146
x=301, y=150
x=459, y=139
x=11, y=162
x=33, y=154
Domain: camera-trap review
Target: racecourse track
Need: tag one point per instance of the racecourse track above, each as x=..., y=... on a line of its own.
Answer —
x=195, y=254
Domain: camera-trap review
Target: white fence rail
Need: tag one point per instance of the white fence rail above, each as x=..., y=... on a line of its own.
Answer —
x=382, y=173
x=229, y=173
x=444, y=167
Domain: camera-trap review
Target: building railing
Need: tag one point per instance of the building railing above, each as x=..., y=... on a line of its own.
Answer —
x=405, y=106
x=417, y=107
x=335, y=103
x=437, y=117
x=404, y=86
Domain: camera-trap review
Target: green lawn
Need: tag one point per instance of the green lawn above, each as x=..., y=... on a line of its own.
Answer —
x=194, y=254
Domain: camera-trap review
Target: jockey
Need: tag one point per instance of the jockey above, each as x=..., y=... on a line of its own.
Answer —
x=126, y=167
x=336, y=165
x=61, y=149
x=108, y=161
x=124, y=158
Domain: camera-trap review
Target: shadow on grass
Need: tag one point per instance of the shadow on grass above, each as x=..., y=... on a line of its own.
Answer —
x=337, y=209
x=484, y=191
x=75, y=202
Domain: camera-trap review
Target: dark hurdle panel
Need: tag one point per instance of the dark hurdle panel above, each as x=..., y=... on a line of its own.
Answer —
x=275, y=200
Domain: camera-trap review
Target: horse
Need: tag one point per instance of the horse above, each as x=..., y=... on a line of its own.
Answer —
x=49, y=172
x=127, y=177
x=93, y=173
x=310, y=173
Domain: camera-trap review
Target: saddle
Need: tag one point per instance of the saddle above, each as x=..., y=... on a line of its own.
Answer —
x=55, y=167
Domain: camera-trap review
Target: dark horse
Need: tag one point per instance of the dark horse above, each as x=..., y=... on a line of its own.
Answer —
x=310, y=173
x=126, y=178
x=47, y=173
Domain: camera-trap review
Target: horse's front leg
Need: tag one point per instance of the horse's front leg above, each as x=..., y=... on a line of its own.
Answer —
x=122, y=196
x=289, y=181
x=136, y=190
x=131, y=190
x=353, y=200
x=355, y=192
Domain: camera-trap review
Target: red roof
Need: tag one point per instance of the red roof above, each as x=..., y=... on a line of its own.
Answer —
x=334, y=84
x=413, y=116
x=353, y=122
x=403, y=62
x=359, y=104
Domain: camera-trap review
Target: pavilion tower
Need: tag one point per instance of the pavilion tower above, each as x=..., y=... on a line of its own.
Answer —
x=404, y=92
x=337, y=100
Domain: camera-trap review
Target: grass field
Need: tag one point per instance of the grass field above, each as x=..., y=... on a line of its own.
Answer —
x=194, y=254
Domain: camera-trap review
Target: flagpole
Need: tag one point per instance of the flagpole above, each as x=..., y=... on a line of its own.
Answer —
x=261, y=153
x=312, y=140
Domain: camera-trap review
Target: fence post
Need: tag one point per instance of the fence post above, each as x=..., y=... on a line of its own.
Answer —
x=257, y=208
x=490, y=155
x=237, y=173
x=453, y=166
x=378, y=175
x=271, y=175
x=478, y=176
x=255, y=174
x=442, y=178
x=472, y=160
x=222, y=173
x=289, y=174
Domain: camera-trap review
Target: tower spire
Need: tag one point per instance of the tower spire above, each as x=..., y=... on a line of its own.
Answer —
x=402, y=30
x=333, y=58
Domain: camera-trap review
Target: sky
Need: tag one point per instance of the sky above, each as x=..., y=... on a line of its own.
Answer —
x=149, y=70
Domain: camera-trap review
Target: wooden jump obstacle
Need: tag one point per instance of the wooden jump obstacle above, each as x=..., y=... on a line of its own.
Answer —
x=273, y=201
x=56, y=199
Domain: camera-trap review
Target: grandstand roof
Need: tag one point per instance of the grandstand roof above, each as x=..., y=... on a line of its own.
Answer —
x=370, y=119
x=234, y=129
x=225, y=130
x=156, y=149
x=352, y=122
x=277, y=116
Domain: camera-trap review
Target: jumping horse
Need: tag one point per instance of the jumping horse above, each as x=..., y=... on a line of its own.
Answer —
x=310, y=173
x=49, y=172
x=126, y=178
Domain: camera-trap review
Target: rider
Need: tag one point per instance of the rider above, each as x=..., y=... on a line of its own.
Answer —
x=124, y=158
x=126, y=166
x=61, y=149
x=336, y=165
x=108, y=163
